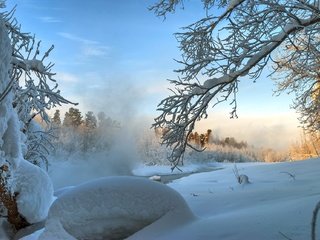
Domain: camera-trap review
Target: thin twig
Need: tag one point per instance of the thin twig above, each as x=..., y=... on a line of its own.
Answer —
x=285, y=236
x=314, y=221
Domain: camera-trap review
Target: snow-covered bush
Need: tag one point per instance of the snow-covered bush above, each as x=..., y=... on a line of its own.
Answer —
x=113, y=208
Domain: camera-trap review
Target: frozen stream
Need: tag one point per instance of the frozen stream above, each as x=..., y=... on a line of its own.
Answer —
x=169, y=177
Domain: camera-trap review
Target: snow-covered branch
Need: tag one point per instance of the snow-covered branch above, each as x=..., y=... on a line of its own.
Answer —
x=218, y=50
x=36, y=88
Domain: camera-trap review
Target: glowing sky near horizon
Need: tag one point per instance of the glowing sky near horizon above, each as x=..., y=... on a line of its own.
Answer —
x=115, y=56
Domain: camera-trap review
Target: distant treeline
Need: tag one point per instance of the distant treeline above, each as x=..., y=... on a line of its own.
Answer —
x=217, y=149
x=78, y=133
x=202, y=140
x=83, y=133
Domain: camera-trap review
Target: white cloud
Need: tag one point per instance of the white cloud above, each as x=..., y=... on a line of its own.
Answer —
x=95, y=50
x=89, y=47
x=48, y=19
x=75, y=38
x=95, y=86
x=67, y=77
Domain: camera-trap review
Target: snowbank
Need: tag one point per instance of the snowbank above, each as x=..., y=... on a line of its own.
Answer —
x=113, y=207
x=35, y=191
x=275, y=206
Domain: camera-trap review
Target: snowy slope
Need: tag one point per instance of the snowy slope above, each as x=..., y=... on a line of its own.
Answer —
x=273, y=205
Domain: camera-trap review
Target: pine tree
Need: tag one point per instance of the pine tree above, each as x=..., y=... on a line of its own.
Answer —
x=90, y=135
x=101, y=118
x=72, y=118
x=56, y=120
x=208, y=136
x=90, y=121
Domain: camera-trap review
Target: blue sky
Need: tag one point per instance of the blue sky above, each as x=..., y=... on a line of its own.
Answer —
x=115, y=56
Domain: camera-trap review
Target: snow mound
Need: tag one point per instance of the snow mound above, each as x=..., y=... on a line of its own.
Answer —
x=35, y=191
x=112, y=208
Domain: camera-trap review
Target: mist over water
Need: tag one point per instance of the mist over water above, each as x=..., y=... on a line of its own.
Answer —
x=270, y=131
x=121, y=103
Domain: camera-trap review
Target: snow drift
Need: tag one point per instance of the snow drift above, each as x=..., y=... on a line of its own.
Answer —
x=35, y=191
x=113, y=208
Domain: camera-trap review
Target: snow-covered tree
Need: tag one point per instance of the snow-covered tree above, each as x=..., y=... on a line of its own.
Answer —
x=101, y=117
x=10, y=136
x=90, y=120
x=27, y=90
x=107, y=122
x=107, y=131
x=90, y=131
x=218, y=50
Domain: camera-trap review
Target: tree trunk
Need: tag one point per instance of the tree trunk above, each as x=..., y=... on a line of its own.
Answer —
x=9, y=201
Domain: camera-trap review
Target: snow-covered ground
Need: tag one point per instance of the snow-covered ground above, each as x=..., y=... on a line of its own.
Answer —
x=277, y=204
x=273, y=205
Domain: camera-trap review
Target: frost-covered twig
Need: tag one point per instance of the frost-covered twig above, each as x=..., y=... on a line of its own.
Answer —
x=285, y=236
x=293, y=176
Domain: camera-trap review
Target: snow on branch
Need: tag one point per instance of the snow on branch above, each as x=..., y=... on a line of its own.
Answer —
x=162, y=7
x=165, y=6
x=217, y=51
x=40, y=90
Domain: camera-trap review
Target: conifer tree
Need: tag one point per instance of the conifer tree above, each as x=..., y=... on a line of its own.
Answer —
x=56, y=120
x=90, y=121
x=72, y=118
